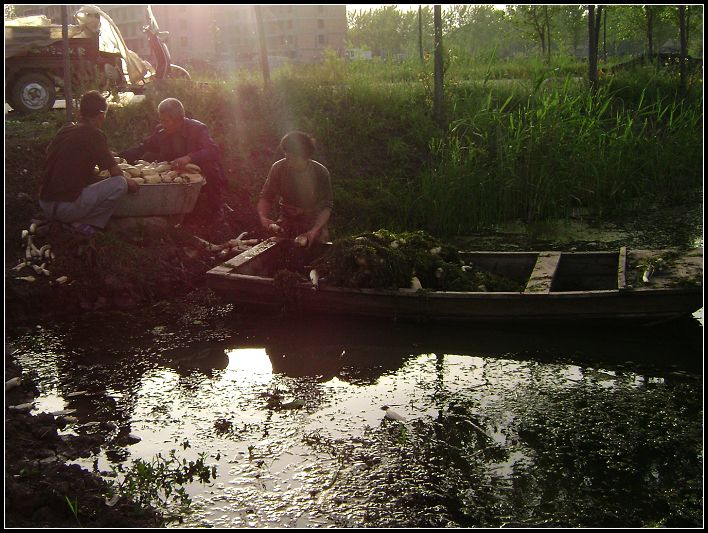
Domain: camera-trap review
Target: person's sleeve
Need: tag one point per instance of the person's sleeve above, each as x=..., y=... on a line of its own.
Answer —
x=271, y=186
x=150, y=144
x=206, y=148
x=325, y=199
x=104, y=157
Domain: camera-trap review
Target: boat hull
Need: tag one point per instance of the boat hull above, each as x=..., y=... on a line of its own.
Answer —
x=239, y=281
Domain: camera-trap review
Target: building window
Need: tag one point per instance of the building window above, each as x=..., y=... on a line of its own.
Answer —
x=320, y=23
x=321, y=39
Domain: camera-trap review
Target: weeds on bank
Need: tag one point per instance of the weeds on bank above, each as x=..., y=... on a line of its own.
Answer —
x=160, y=482
x=74, y=508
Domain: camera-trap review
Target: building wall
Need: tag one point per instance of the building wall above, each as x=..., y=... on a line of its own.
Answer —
x=191, y=31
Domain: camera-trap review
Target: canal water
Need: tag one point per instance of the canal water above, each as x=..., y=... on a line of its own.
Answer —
x=485, y=426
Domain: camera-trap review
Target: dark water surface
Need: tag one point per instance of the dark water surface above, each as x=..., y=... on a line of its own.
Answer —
x=511, y=425
x=502, y=423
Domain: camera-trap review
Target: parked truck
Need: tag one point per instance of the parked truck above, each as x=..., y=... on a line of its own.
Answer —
x=99, y=57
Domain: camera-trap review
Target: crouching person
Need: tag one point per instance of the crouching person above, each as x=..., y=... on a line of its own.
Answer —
x=70, y=192
x=180, y=141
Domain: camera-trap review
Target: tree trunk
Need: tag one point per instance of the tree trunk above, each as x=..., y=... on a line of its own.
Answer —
x=598, y=19
x=420, y=32
x=648, y=11
x=265, y=67
x=592, y=49
x=548, y=33
x=604, y=35
x=438, y=110
x=67, y=65
x=684, y=48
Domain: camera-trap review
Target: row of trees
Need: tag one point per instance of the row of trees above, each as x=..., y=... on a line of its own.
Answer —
x=522, y=30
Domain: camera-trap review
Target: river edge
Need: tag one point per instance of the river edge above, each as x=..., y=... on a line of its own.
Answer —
x=41, y=490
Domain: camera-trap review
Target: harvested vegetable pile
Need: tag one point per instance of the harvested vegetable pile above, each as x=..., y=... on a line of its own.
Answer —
x=384, y=259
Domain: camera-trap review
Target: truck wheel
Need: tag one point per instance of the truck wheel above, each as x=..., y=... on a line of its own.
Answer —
x=33, y=92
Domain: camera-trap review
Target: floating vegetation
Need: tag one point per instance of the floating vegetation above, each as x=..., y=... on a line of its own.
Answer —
x=384, y=259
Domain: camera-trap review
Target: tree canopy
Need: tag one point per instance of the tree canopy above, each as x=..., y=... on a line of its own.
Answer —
x=479, y=30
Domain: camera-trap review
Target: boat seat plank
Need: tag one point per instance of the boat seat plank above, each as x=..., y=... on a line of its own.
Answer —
x=543, y=272
x=622, y=269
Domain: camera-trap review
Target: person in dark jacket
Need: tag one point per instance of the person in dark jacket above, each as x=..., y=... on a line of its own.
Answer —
x=70, y=192
x=180, y=141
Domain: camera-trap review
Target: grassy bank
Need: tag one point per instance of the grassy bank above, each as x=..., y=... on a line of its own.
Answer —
x=533, y=147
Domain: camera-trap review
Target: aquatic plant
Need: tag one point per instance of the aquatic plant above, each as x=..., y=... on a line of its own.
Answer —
x=159, y=482
x=384, y=259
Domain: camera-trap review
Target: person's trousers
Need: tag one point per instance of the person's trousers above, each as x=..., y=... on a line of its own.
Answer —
x=95, y=205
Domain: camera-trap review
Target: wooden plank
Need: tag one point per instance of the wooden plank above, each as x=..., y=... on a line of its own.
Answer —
x=622, y=269
x=543, y=272
x=244, y=257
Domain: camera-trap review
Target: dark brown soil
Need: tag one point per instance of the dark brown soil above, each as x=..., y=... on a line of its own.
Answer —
x=39, y=485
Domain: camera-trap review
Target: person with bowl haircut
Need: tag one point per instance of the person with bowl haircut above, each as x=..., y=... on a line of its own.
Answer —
x=303, y=189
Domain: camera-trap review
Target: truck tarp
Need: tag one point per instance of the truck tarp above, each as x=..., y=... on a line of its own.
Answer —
x=25, y=33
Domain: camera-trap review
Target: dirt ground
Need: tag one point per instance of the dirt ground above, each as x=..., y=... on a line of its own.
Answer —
x=133, y=264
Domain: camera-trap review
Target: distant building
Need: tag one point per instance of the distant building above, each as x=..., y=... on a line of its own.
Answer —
x=226, y=35
x=294, y=33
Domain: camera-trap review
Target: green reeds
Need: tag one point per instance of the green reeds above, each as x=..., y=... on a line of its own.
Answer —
x=560, y=149
x=535, y=147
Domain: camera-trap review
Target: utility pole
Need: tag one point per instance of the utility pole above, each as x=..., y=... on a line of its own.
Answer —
x=420, y=32
x=264, y=51
x=438, y=109
x=67, y=65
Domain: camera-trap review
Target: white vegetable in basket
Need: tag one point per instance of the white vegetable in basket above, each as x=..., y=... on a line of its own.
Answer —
x=193, y=178
x=152, y=178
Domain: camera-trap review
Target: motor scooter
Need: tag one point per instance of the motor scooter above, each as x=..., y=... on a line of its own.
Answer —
x=158, y=46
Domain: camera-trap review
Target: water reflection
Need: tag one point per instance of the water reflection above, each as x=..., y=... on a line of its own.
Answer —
x=249, y=366
x=462, y=390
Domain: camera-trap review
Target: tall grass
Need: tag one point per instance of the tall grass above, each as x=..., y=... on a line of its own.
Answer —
x=560, y=149
x=532, y=148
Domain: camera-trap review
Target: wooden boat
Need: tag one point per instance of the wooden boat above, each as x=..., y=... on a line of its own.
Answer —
x=559, y=286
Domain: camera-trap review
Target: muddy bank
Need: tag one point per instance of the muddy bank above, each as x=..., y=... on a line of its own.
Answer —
x=134, y=265
x=41, y=490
